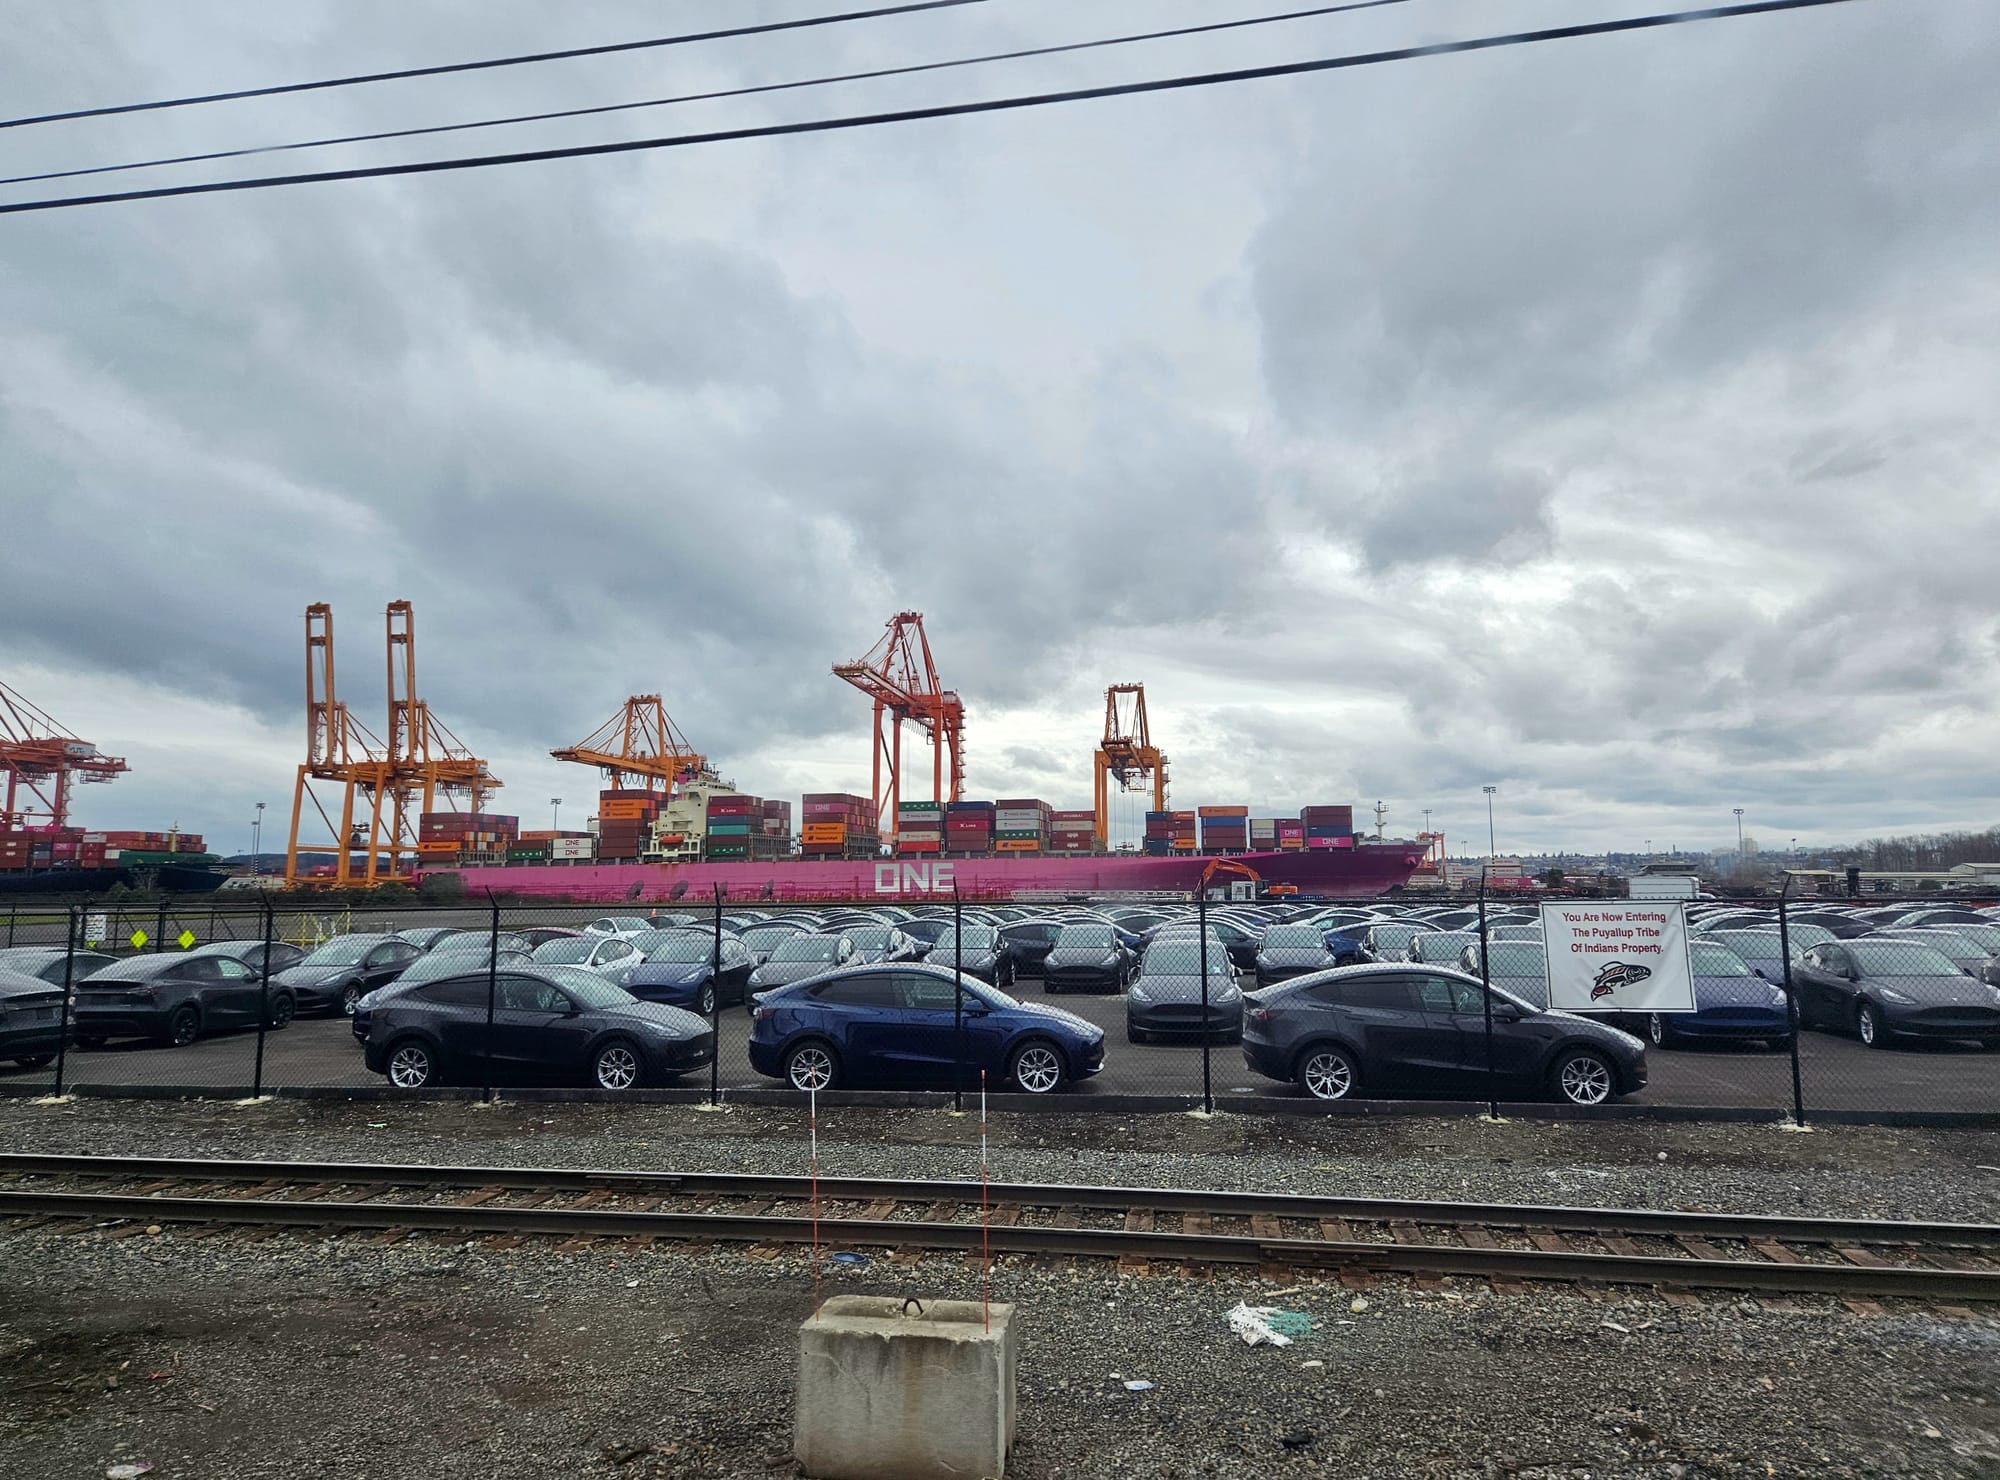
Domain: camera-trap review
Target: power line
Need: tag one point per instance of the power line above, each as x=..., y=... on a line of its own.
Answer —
x=706, y=97
x=490, y=63
x=947, y=110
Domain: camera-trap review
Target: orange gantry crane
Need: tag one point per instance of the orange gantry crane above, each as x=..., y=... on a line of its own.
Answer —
x=382, y=786
x=41, y=761
x=900, y=676
x=1127, y=754
x=641, y=742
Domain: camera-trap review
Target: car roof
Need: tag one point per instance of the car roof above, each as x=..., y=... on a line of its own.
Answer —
x=137, y=968
x=20, y=981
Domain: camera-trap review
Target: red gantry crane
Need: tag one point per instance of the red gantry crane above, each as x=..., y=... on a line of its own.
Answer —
x=1127, y=753
x=41, y=761
x=899, y=675
x=426, y=761
x=642, y=742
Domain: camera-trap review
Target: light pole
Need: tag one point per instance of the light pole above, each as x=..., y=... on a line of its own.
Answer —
x=257, y=840
x=1490, y=848
x=1739, y=830
x=555, y=813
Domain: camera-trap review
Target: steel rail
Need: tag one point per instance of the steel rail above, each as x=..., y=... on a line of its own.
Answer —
x=1619, y=1221
x=1520, y=1264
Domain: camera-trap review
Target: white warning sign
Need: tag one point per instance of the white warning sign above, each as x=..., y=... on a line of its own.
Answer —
x=1618, y=956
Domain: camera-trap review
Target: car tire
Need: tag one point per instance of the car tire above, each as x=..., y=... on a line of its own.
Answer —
x=183, y=1027
x=812, y=1066
x=617, y=1066
x=1327, y=1072
x=36, y=1061
x=283, y=1009
x=1868, y=1026
x=89, y=1042
x=350, y=994
x=1659, y=1032
x=1037, y=1067
x=705, y=1003
x=1582, y=1076
x=410, y=1065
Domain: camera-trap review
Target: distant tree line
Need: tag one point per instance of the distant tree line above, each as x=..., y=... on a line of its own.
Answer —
x=1922, y=851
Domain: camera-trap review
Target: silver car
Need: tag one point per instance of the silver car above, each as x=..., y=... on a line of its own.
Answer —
x=802, y=956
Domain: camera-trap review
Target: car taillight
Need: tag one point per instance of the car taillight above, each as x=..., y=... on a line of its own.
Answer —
x=764, y=1012
x=1260, y=1015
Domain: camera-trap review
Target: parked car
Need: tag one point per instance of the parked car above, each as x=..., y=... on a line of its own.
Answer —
x=1396, y=1028
x=1029, y=943
x=336, y=975
x=680, y=969
x=925, y=929
x=1762, y=950
x=1389, y=940
x=1294, y=950
x=1514, y=932
x=549, y=1022
x=624, y=927
x=484, y=940
x=765, y=937
x=1166, y=997
x=1877, y=989
x=610, y=956
x=31, y=1019
x=1089, y=958
x=907, y=1023
x=1441, y=947
x=877, y=945
x=423, y=937
x=435, y=966
x=1730, y=1001
x=1519, y=967
x=800, y=957
x=51, y=962
x=250, y=953
x=174, y=999
x=1959, y=943
x=538, y=936
x=979, y=950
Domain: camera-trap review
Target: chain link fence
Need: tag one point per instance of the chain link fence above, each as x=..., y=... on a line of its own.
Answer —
x=1840, y=1008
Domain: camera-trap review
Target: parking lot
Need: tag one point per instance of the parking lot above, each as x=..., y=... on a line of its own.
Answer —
x=1838, y=1073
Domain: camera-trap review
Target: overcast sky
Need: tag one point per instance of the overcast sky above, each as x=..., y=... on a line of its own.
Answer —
x=1611, y=421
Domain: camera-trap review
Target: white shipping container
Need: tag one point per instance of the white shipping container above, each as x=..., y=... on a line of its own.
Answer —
x=572, y=847
x=919, y=835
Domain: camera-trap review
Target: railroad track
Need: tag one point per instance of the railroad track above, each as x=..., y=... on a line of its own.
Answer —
x=1504, y=1243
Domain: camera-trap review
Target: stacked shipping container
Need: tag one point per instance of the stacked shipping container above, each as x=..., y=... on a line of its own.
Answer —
x=443, y=836
x=835, y=824
x=1021, y=825
x=920, y=827
x=625, y=823
x=1328, y=827
x=1159, y=832
x=1073, y=832
x=1224, y=829
x=968, y=827
x=1263, y=834
x=732, y=817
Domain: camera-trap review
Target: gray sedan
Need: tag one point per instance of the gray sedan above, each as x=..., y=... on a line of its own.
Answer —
x=1167, y=996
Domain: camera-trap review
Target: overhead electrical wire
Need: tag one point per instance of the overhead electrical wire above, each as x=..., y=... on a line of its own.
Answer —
x=442, y=69
x=708, y=97
x=944, y=110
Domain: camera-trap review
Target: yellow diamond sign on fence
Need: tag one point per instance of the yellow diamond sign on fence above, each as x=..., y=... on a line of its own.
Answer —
x=185, y=940
x=139, y=939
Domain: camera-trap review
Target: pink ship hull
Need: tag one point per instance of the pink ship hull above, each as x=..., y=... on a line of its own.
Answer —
x=1339, y=873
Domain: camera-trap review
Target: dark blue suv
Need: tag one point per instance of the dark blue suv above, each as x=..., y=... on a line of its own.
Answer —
x=896, y=1023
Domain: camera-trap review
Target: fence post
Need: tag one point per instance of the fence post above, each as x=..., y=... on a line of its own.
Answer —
x=492, y=991
x=13, y=912
x=958, y=1000
x=263, y=998
x=715, y=1005
x=1791, y=1004
x=1201, y=916
x=1486, y=997
x=62, y=1018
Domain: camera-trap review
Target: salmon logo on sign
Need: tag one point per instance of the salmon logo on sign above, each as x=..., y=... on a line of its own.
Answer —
x=914, y=878
x=1618, y=956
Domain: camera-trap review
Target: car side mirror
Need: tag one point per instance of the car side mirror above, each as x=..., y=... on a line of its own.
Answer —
x=1758, y=971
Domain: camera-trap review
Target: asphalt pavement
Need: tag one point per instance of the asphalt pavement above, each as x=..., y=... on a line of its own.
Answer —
x=1838, y=1073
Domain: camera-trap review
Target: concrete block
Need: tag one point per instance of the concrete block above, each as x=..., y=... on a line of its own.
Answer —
x=888, y=1393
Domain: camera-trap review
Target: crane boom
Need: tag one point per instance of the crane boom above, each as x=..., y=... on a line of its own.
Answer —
x=641, y=740
x=1127, y=754
x=41, y=761
x=900, y=675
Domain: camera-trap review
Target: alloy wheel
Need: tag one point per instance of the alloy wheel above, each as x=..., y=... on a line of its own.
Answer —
x=350, y=997
x=184, y=1028
x=706, y=1003
x=410, y=1067
x=1038, y=1069
x=1865, y=1023
x=282, y=1008
x=810, y=1068
x=1327, y=1076
x=1656, y=1029
x=1585, y=1080
x=617, y=1067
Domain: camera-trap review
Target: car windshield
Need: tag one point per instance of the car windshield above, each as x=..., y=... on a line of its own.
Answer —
x=1714, y=960
x=764, y=937
x=342, y=950
x=1953, y=945
x=808, y=948
x=677, y=949
x=1900, y=958
x=1183, y=958
x=1084, y=938
x=588, y=987
x=618, y=924
x=974, y=938
x=870, y=937
x=1443, y=945
x=1516, y=958
x=557, y=952
x=1294, y=938
x=1768, y=944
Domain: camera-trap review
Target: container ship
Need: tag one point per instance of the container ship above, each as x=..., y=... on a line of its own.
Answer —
x=650, y=849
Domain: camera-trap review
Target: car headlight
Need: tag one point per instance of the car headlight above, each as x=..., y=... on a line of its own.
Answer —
x=1110, y=960
x=1140, y=994
x=1996, y=994
x=1901, y=999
